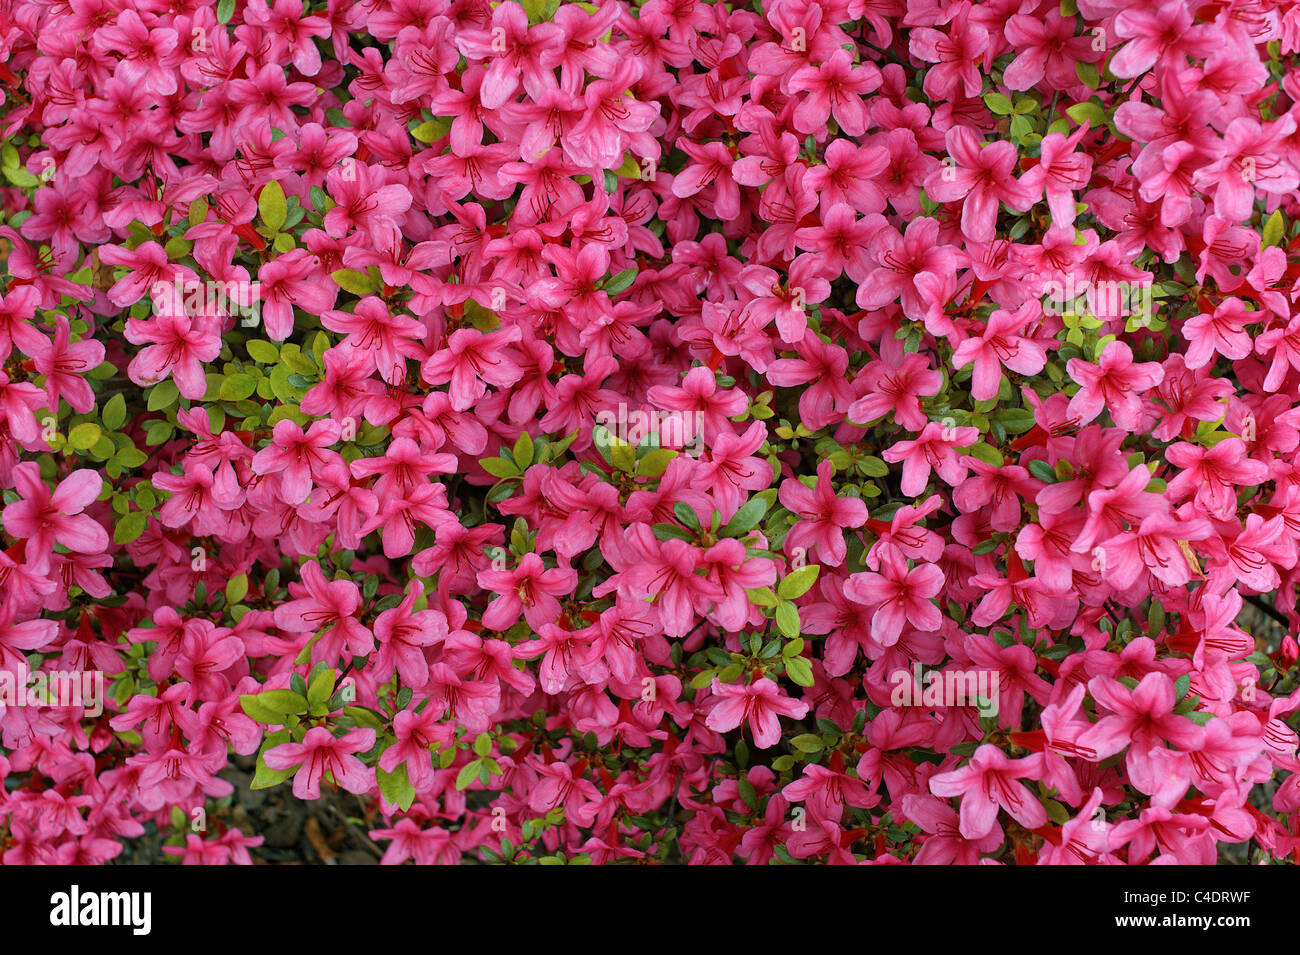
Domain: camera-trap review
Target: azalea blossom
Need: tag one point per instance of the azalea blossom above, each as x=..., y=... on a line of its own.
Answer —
x=758, y=704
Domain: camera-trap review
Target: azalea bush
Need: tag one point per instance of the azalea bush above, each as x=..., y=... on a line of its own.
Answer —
x=772, y=432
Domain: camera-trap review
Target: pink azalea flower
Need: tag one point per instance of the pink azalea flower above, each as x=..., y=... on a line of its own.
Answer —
x=999, y=344
x=989, y=782
x=320, y=753
x=759, y=703
x=901, y=596
x=822, y=516
x=934, y=449
x=981, y=175
x=45, y=518
x=531, y=588
x=1114, y=383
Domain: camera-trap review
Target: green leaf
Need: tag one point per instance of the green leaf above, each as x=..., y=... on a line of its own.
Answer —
x=799, y=670
x=358, y=283
x=1087, y=74
x=623, y=456
x=432, y=131
x=556, y=449
x=271, y=206
x=787, y=619
x=703, y=679
x=745, y=519
x=1056, y=812
x=114, y=414
x=396, y=786
x=998, y=104
x=130, y=527
x=483, y=745
x=20, y=177
x=1182, y=685
x=236, y=588
x=1156, y=618
x=747, y=794
x=321, y=687
x=225, y=10
x=762, y=597
x=718, y=655
x=539, y=11
x=1088, y=112
x=731, y=673
x=686, y=514
x=872, y=466
x=84, y=436
x=103, y=448
x=500, y=468
x=655, y=462
x=265, y=777
x=263, y=352
x=1041, y=470
x=297, y=362
x=237, y=387
x=987, y=454
x=131, y=457
x=364, y=717
x=272, y=706
x=523, y=451
x=1273, y=230
x=798, y=582
x=163, y=395
x=807, y=743
x=630, y=169
x=620, y=282
x=156, y=432
x=1015, y=420
x=468, y=772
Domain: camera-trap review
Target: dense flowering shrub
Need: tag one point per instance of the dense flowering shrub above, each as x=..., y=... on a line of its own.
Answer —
x=823, y=430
